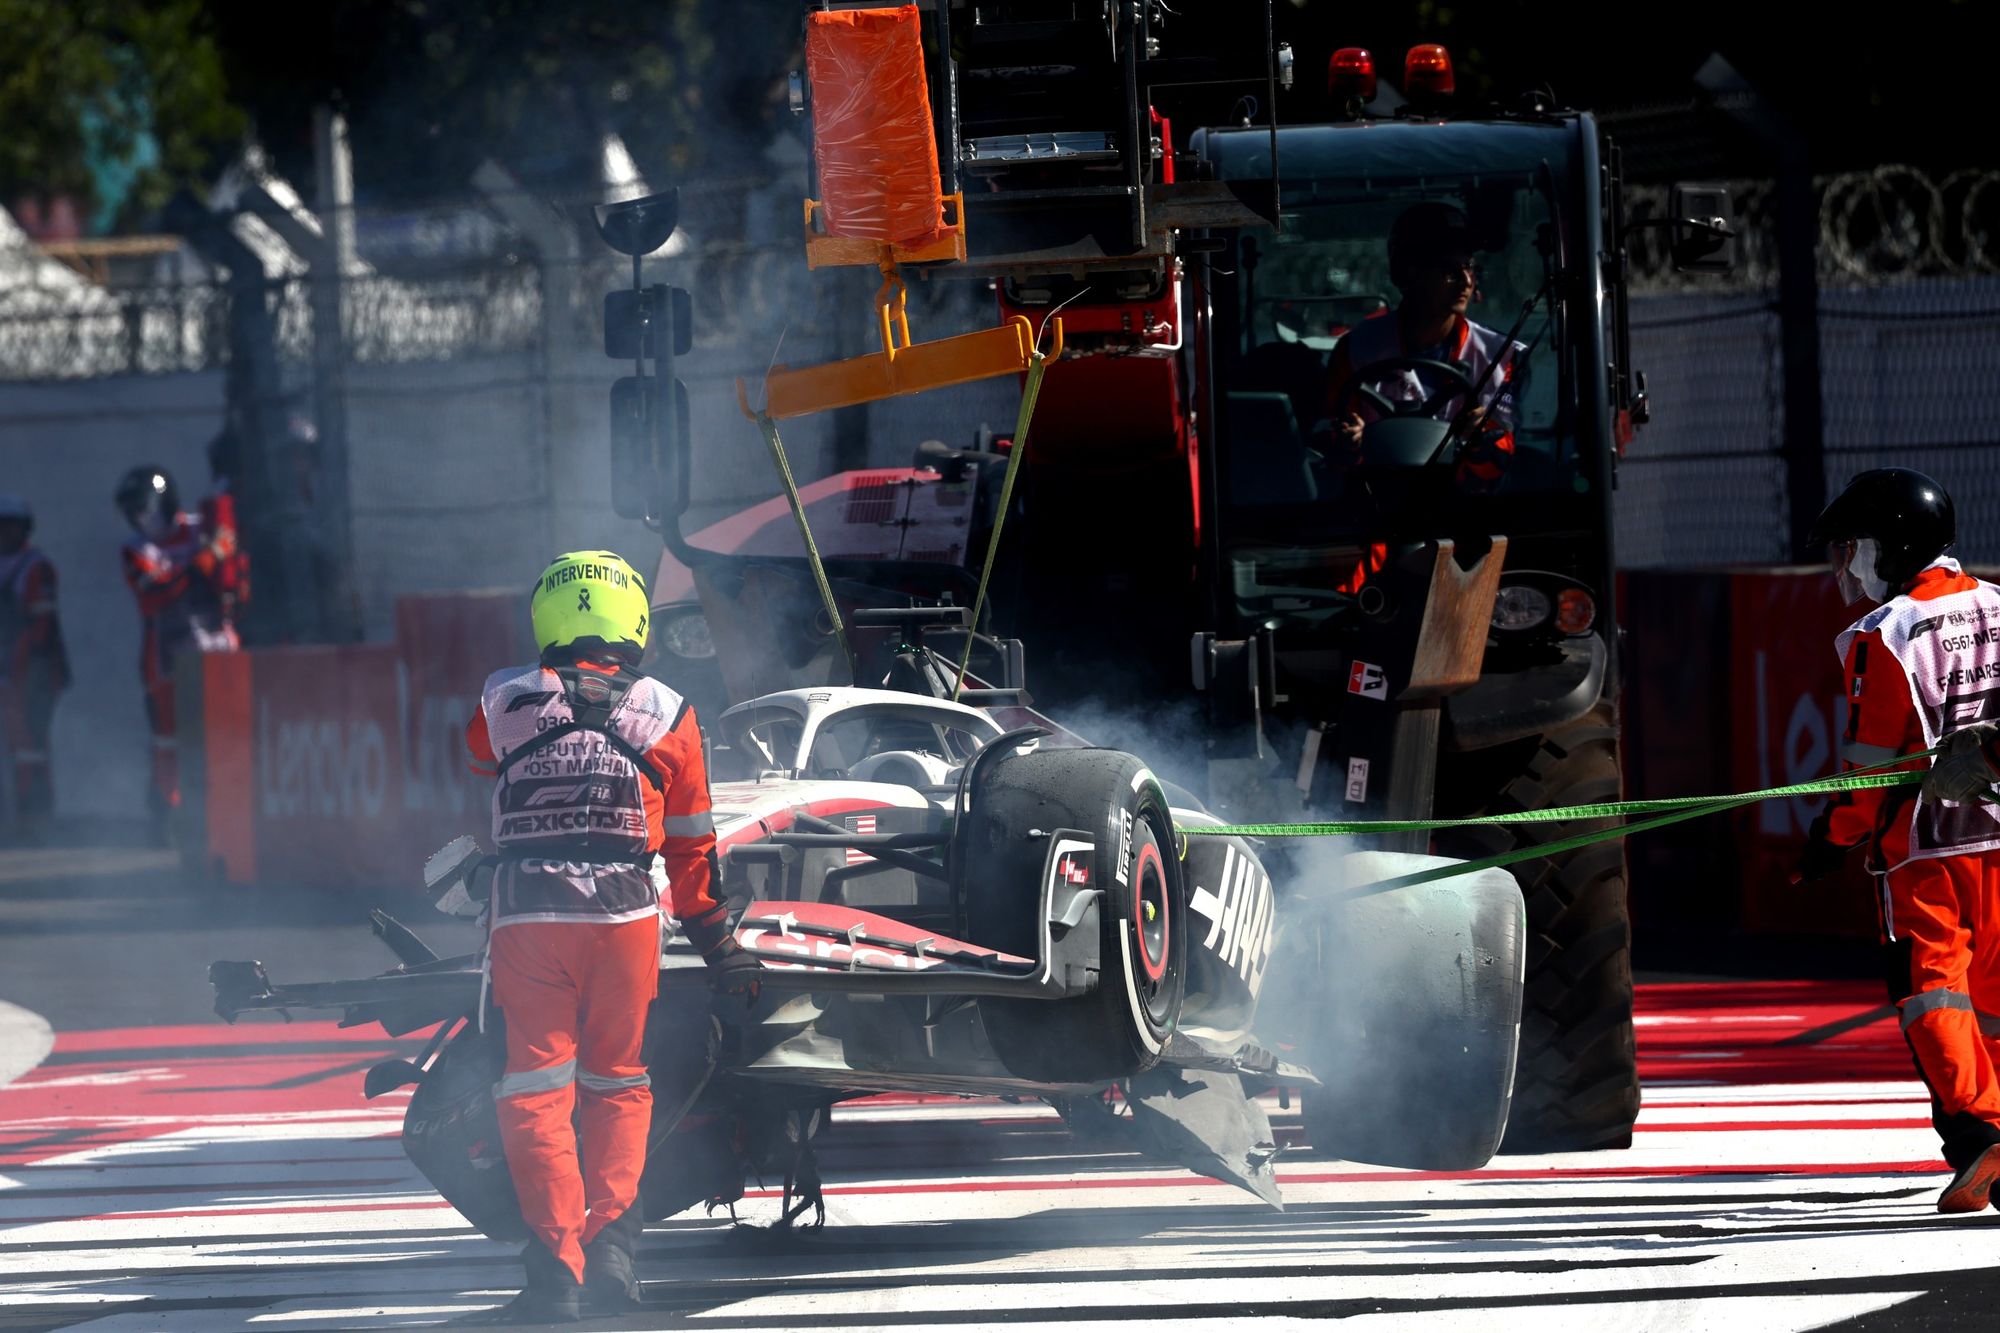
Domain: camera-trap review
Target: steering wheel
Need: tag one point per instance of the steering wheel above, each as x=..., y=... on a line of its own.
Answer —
x=1405, y=434
x=1457, y=381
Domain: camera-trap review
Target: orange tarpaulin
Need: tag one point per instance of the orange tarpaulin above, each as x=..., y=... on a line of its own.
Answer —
x=878, y=162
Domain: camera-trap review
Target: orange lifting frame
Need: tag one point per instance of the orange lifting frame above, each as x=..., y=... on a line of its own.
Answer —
x=869, y=66
x=824, y=251
x=901, y=367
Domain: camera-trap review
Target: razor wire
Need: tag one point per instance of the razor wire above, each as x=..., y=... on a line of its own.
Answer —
x=1889, y=224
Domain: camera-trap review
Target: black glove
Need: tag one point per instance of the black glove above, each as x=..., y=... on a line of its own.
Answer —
x=1963, y=772
x=707, y=931
x=730, y=969
x=1822, y=857
x=733, y=970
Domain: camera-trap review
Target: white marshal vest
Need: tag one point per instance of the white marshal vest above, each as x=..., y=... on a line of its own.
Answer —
x=569, y=820
x=1949, y=650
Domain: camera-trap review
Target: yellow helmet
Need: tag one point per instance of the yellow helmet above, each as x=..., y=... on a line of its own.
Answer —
x=590, y=600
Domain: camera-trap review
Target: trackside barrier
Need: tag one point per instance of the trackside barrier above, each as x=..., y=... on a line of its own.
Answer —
x=341, y=767
x=1731, y=684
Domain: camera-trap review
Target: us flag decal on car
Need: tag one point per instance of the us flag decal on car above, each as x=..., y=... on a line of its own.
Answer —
x=861, y=824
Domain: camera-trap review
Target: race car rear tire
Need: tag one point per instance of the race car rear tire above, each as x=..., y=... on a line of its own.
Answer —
x=1417, y=1018
x=1578, y=1083
x=452, y=1133
x=1121, y=1026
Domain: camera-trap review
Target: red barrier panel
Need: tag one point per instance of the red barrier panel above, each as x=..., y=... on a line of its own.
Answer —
x=1732, y=685
x=328, y=805
x=447, y=646
x=229, y=756
x=344, y=767
x=1789, y=713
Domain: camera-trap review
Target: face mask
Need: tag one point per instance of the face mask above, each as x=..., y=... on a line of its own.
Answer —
x=1854, y=571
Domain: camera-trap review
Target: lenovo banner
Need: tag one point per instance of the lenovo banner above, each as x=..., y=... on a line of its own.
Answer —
x=345, y=766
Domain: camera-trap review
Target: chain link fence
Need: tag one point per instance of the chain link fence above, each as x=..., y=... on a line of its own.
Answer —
x=1908, y=266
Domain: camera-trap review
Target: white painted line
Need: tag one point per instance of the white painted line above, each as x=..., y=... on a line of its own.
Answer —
x=25, y=1041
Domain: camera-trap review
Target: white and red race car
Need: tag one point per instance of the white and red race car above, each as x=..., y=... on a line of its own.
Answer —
x=945, y=906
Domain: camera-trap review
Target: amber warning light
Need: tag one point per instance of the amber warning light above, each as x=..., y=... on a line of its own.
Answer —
x=1427, y=71
x=1350, y=75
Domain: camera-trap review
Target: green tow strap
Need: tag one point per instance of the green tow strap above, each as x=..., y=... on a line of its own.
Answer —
x=1029, y=392
x=777, y=448
x=1562, y=814
x=1675, y=808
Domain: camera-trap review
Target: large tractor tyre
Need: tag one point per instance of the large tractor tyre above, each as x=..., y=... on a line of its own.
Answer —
x=452, y=1133
x=1417, y=1018
x=1577, y=1087
x=1120, y=1027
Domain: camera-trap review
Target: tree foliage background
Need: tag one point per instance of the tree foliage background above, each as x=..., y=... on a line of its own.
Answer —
x=432, y=87
x=88, y=86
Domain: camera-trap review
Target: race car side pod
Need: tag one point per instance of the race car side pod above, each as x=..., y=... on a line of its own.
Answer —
x=1678, y=808
x=896, y=849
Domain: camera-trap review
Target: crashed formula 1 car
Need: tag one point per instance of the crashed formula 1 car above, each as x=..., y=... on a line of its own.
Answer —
x=947, y=907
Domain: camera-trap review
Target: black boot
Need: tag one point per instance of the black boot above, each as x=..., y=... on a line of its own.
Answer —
x=1971, y=1187
x=552, y=1294
x=607, y=1264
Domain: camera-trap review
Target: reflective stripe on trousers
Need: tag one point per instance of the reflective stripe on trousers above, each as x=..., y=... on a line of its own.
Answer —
x=547, y=1079
x=1924, y=1002
x=611, y=1083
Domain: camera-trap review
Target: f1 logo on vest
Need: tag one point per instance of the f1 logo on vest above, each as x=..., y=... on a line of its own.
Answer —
x=557, y=796
x=530, y=699
x=1368, y=680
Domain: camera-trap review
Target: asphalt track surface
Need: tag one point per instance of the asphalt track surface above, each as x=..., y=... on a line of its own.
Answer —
x=165, y=1173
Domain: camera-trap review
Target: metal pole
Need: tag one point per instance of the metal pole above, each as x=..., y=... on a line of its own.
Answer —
x=253, y=388
x=339, y=607
x=1798, y=295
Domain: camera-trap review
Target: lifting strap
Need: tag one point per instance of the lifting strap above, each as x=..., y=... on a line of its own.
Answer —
x=1019, y=450
x=784, y=466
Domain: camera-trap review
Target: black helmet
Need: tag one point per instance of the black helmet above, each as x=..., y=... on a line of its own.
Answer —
x=147, y=489
x=1907, y=513
x=1425, y=231
x=225, y=455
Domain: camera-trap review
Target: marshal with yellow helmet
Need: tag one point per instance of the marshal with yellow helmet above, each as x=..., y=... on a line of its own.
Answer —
x=587, y=603
x=600, y=780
